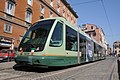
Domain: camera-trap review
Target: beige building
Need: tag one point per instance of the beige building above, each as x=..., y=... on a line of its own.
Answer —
x=109, y=50
x=16, y=16
x=95, y=33
x=116, y=47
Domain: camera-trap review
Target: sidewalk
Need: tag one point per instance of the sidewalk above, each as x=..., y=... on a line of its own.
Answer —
x=118, y=62
x=7, y=65
x=115, y=75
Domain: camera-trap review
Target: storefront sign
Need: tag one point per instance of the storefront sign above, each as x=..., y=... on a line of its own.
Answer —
x=5, y=44
x=5, y=41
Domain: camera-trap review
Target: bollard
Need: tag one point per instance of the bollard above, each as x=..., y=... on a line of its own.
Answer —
x=8, y=56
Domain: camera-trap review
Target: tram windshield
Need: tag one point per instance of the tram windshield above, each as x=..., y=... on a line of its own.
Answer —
x=36, y=36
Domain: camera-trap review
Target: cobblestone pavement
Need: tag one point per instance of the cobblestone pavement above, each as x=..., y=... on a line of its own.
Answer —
x=105, y=70
x=100, y=70
x=6, y=65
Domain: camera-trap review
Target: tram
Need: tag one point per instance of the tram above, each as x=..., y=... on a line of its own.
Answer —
x=54, y=42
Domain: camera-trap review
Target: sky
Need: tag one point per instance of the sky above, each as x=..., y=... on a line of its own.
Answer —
x=103, y=13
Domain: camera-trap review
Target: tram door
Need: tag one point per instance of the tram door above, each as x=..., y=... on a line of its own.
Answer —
x=82, y=48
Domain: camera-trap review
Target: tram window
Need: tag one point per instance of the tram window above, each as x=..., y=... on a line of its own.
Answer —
x=95, y=48
x=82, y=47
x=82, y=44
x=36, y=36
x=57, y=36
x=71, y=39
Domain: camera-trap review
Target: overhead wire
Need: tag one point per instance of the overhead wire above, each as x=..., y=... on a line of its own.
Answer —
x=77, y=4
x=85, y=2
x=109, y=25
x=106, y=15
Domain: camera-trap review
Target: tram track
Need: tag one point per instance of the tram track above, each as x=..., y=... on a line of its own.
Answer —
x=109, y=77
x=72, y=76
x=35, y=75
x=12, y=74
x=60, y=74
x=63, y=73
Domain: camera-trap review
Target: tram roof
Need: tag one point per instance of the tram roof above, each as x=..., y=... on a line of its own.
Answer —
x=61, y=19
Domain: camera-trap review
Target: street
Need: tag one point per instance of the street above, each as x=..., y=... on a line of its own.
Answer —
x=100, y=70
x=118, y=62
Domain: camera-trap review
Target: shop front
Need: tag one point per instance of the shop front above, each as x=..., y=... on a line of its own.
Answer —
x=6, y=43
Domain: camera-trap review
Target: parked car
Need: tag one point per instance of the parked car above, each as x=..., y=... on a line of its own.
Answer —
x=7, y=55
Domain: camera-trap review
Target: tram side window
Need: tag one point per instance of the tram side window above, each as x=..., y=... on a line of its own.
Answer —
x=95, y=48
x=82, y=45
x=71, y=39
x=100, y=51
x=57, y=36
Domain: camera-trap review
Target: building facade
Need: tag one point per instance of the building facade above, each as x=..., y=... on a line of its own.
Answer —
x=16, y=16
x=109, y=50
x=116, y=47
x=95, y=33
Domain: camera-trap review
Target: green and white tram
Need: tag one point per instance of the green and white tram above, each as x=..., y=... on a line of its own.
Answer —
x=55, y=42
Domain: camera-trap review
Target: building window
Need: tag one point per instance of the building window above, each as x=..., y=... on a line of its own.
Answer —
x=64, y=13
x=42, y=9
x=51, y=14
x=30, y=2
x=91, y=27
x=94, y=33
x=7, y=28
x=58, y=9
x=29, y=15
x=51, y=3
x=10, y=7
x=90, y=35
x=68, y=18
